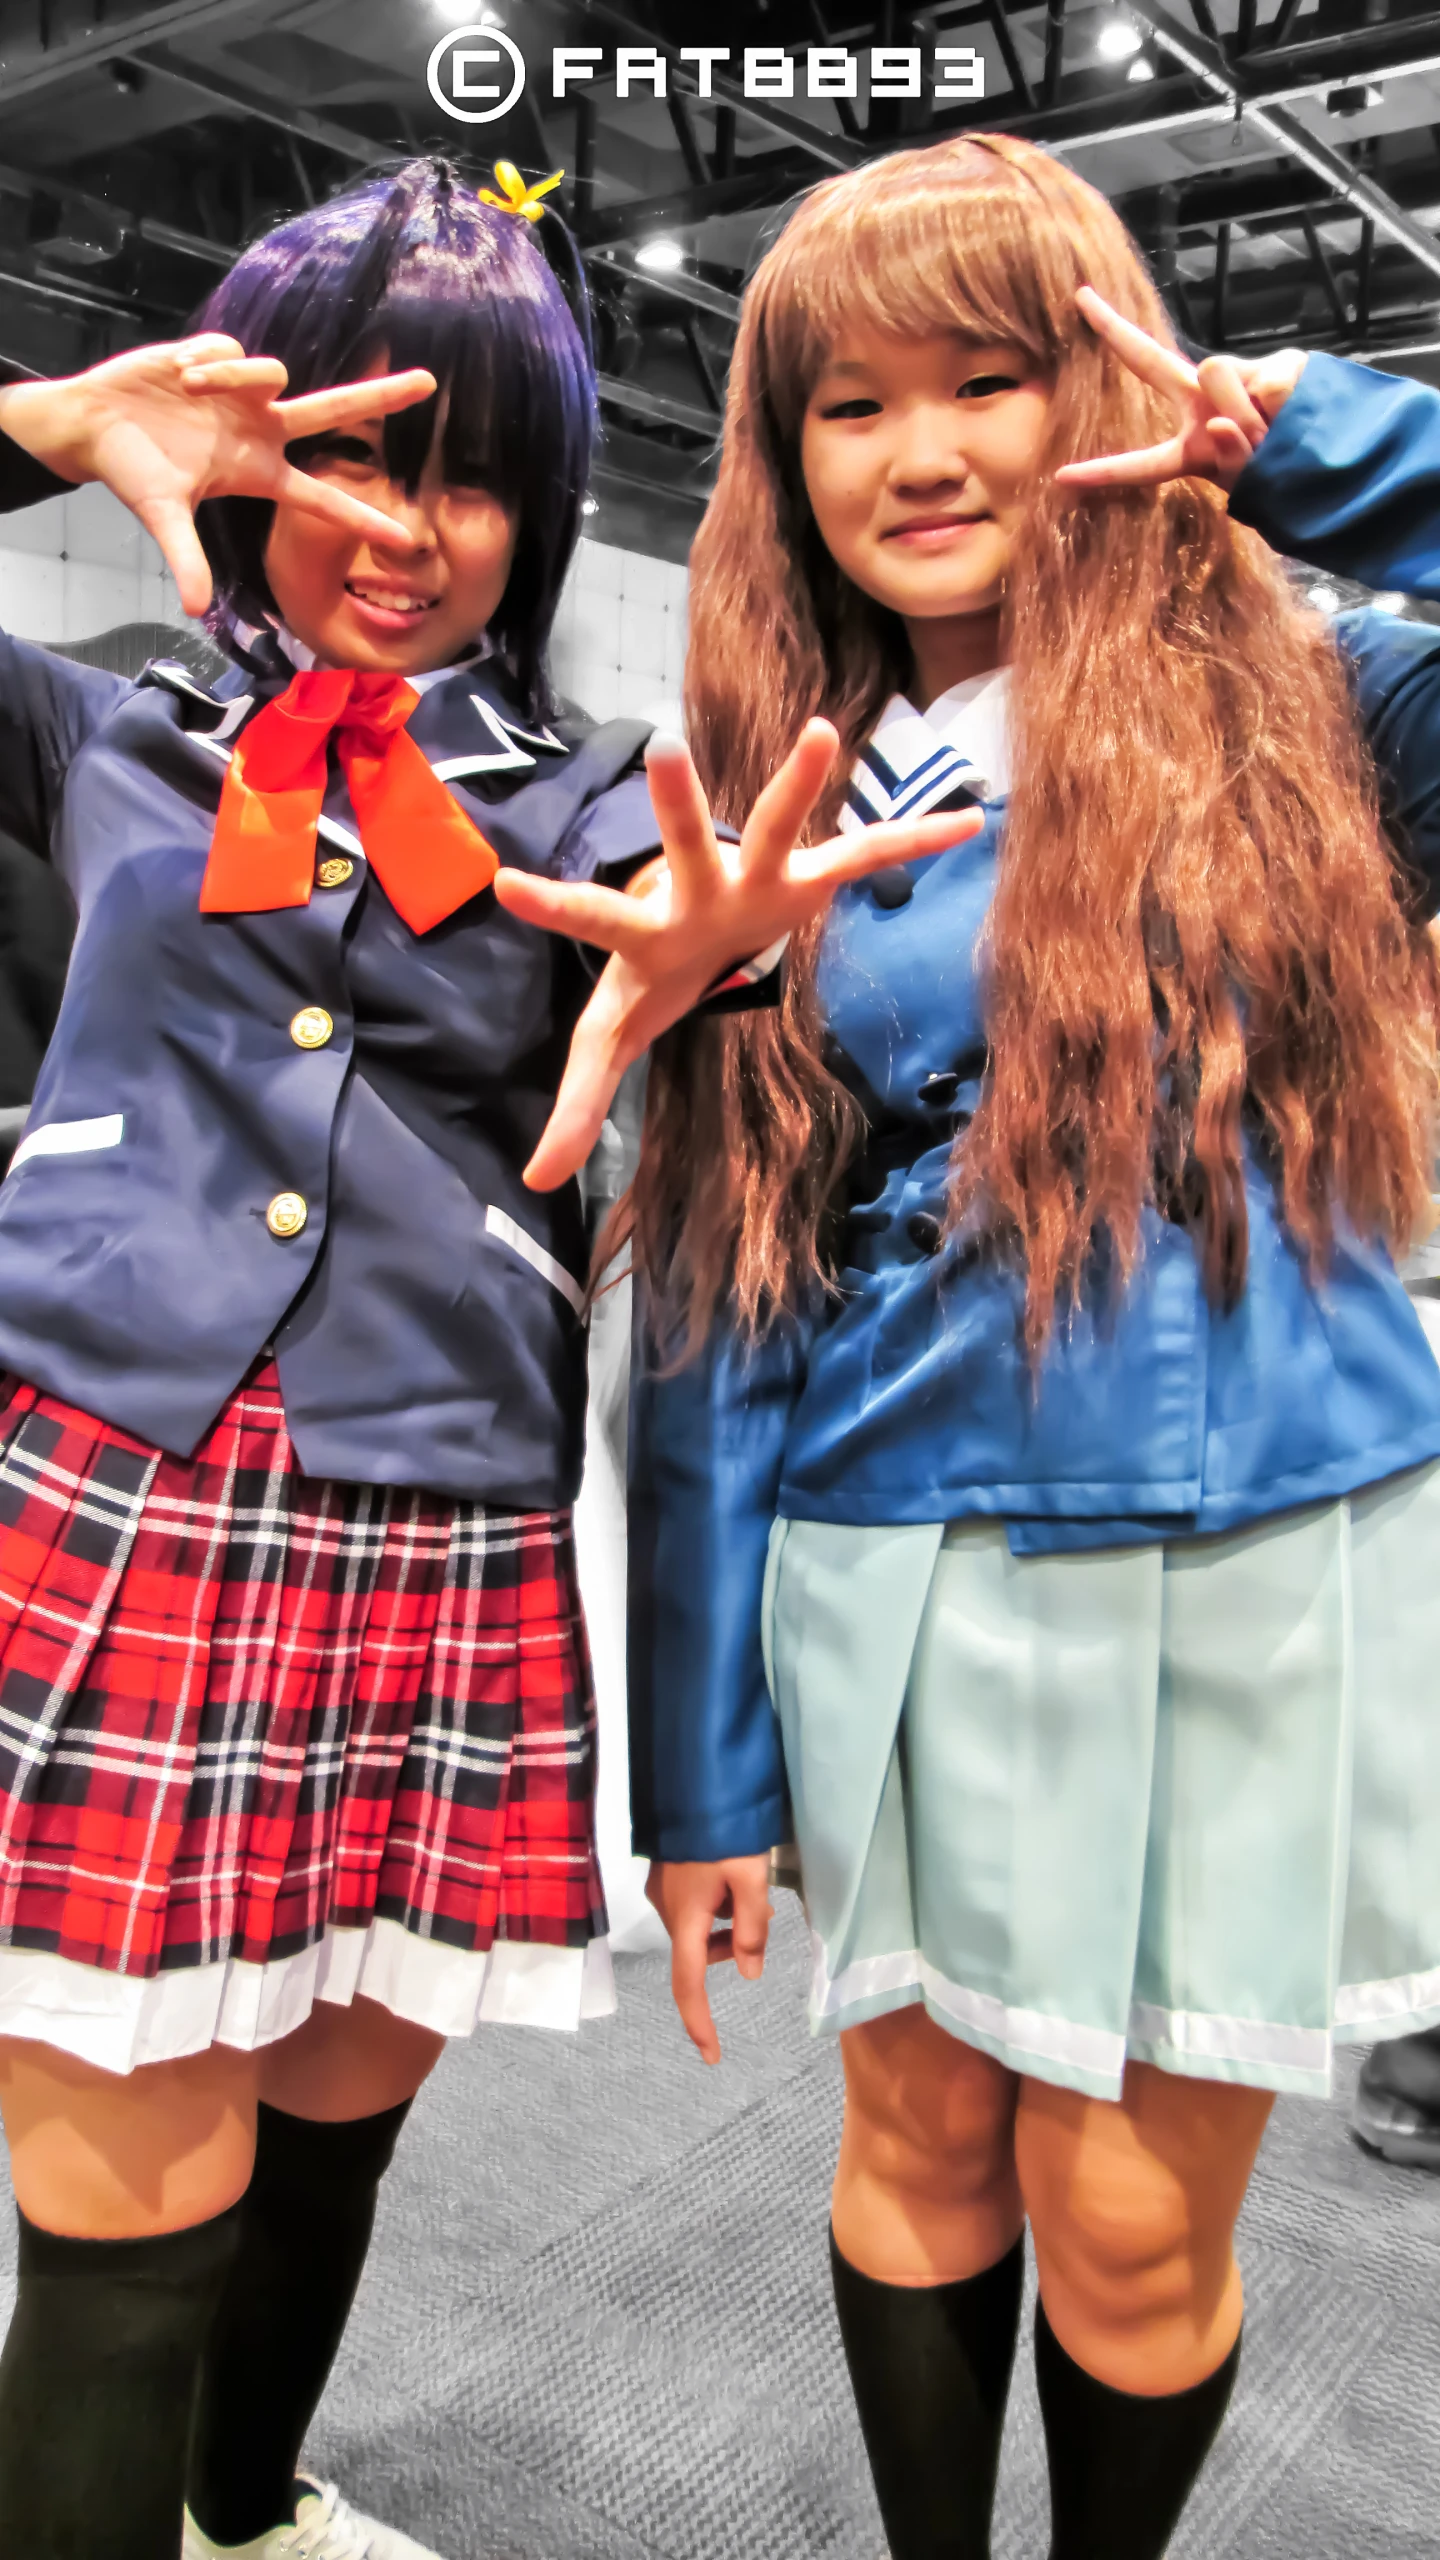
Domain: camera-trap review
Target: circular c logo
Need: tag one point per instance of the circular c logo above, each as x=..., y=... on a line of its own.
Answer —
x=476, y=56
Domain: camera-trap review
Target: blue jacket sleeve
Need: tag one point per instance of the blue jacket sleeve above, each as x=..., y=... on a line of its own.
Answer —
x=1348, y=478
x=707, y=1773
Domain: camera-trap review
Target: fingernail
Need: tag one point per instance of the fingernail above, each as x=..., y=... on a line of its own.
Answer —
x=665, y=742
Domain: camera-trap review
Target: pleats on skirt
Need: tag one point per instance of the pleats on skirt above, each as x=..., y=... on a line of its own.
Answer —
x=1173, y=1803
x=266, y=1739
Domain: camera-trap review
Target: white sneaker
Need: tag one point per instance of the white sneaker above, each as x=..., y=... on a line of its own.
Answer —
x=325, y=2528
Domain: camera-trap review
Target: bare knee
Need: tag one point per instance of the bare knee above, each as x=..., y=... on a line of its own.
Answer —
x=925, y=2189
x=1133, y=2208
x=927, y=2111
x=104, y=2155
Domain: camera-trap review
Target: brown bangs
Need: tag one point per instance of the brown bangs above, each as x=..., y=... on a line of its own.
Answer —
x=962, y=241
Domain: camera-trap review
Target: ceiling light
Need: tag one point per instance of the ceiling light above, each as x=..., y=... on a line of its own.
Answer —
x=1119, y=38
x=660, y=257
x=1141, y=69
x=1356, y=99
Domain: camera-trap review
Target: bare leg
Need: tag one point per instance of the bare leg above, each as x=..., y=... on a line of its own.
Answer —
x=926, y=2190
x=1133, y=2208
x=99, y=2155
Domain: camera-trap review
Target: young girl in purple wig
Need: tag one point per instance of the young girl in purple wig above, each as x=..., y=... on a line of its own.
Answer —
x=296, y=1727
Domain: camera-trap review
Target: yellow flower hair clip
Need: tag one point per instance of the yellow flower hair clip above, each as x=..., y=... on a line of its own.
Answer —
x=515, y=195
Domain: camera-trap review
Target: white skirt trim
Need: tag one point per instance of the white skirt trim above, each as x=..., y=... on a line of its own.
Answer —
x=979, y=2017
x=1266, y=2053
x=1368, y=2011
x=118, y=2022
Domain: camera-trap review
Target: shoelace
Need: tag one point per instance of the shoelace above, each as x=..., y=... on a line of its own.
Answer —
x=329, y=2531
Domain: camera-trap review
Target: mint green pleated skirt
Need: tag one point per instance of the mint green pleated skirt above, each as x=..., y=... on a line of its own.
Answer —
x=1177, y=1804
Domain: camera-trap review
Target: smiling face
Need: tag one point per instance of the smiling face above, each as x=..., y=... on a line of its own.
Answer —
x=919, y=456
x=394, y=609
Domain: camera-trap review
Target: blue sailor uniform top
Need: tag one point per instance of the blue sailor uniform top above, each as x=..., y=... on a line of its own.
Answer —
x=306, y=1126
x=909, y=1399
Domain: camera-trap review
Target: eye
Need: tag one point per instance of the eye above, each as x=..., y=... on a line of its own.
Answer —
x=984, y=386
x=334, y=453
x=861, y=406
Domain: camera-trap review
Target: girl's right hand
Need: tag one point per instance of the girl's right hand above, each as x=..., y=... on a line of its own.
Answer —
x=690, y=1897
x=165, y=427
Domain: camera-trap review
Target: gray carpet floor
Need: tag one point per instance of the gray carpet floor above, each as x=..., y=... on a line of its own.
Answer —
x=595, y=2325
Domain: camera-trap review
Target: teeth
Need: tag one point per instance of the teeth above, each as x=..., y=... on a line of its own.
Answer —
x=391, y=603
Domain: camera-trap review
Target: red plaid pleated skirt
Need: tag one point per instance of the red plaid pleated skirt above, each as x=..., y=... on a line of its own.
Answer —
x=266, y=1739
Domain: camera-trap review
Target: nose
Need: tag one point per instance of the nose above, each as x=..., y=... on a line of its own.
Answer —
x=414, y=519
x=929, y=450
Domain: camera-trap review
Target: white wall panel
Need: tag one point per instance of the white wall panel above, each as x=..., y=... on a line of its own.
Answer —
x=619, y=648
x=76, y=566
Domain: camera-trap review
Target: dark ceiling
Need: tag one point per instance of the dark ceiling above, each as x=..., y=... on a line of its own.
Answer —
x=1278, y=159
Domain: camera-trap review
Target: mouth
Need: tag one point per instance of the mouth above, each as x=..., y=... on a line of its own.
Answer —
x=932, y=532
x=388, y=608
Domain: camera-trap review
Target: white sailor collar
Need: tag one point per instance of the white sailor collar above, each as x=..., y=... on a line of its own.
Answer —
x=915, y=760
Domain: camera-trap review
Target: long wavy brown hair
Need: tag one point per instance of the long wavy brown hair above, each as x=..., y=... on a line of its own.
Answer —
x=1198, y=919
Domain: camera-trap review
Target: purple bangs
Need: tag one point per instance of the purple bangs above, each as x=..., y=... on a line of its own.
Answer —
x=413, y=267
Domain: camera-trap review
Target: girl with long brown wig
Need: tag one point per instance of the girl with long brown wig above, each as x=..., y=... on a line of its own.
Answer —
x=1021, y=1311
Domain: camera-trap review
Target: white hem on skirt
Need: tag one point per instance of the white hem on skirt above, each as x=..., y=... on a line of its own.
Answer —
x=1258, y=2052
x=119, y=2022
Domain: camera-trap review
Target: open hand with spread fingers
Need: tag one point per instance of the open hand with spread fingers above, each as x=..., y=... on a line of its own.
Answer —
x=702, y=910
x=1225, y=408
x=165, y=427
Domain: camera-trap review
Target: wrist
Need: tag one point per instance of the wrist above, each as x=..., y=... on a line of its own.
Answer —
x=53, y=422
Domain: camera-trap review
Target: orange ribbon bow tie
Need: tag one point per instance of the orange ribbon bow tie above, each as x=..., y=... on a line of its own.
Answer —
x=427, y=855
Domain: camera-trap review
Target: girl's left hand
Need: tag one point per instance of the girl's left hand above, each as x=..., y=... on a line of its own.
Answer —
x=1226, y=408
x=709, y=907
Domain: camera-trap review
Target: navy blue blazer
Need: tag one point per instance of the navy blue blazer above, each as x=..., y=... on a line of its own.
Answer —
x=425, y=1308
x=909, y=1398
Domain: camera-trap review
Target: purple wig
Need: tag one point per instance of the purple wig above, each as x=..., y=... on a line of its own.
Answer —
x=412, y=267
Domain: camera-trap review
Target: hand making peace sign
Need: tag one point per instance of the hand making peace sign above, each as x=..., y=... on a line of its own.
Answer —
x=1226, y=408
x=165, y=427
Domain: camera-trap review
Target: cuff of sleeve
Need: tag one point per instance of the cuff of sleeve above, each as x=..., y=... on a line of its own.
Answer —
x=752, y=985
x=745, y=1832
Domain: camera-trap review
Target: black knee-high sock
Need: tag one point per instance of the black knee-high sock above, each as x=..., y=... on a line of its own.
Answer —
x=930, y=2369
x=1121, y=2464
x=97, y=2378
x=305, y=2228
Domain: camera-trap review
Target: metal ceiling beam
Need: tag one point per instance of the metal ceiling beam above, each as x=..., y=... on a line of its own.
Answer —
x=832, y=149
x=681, y=288
x=1098, y=111
x=106, y=39
x=1209, y=65
x=140, y=226
x=657, y=406
x=74, y=297
x=750, y=189
x=223, y=92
